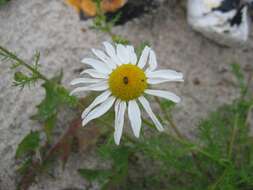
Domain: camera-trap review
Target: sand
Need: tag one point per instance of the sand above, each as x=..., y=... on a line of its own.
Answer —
x=55, y=30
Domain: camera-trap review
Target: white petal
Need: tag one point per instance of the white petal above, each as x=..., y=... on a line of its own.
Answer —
x=94, y=87
x=116, y=110
x=109, y=49
x=98, y=65
x=101, y=55
x=148, y=109
x=134, y=115
x=119, y=121
x=94, y=73
x=85, y=80
x=132, y=55
x=100, y=99
x=158, y=81
x=99, y=111
x=122, y=54
x=144, y=57
x=152, y=61
x=165, y=74
x=164, y=94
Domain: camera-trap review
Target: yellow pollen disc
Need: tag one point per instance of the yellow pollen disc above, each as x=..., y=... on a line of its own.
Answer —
x=127, y=82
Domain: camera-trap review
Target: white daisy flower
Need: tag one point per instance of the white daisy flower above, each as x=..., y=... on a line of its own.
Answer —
x=123, y=81
x=225, y=21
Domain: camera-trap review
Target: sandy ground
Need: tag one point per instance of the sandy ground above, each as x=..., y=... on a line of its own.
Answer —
x=54, y=29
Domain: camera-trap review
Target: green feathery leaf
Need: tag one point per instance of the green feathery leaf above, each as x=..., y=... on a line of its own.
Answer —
x=29, y=144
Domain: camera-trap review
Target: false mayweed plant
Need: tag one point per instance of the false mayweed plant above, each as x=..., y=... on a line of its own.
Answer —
x=219, y=157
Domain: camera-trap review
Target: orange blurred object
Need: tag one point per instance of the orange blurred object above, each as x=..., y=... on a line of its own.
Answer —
x=89, y=7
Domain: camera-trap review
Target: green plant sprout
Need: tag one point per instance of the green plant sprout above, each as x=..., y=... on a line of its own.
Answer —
x=101, y=23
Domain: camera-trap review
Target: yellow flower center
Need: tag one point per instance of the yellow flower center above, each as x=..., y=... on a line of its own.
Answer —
x=127, y=82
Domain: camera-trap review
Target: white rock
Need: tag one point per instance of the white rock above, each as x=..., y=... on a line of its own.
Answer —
x=225, y=21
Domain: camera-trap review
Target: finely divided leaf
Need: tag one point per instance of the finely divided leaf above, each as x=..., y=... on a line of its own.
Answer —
x=92, y=175
x=29, y=144
x=55, y=97
x=237, y=71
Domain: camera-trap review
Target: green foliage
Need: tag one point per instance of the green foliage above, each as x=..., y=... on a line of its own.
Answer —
x=237, y=71
x=24, y=166
x=225, y=135
x=3, y=2
x=167, y=105
x=32, y=155
x=101, y=23
x=119, y=40
x=22, y=80
x=167, y=150
x=206, y=163
x=55, y=94
x=55, y=97
x=102, y=176
x=219, y=158
x=29, y=144
x=216, y=131
x=140, y=48
x=98, y=2
x=49, y=125
x=110, y=178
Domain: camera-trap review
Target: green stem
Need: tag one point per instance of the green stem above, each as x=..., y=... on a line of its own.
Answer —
x=20, y=61
x=213, y=187
x=233, y=136
x=169, y=119
x=147, y=123
x=230, y=151
x=249, y=115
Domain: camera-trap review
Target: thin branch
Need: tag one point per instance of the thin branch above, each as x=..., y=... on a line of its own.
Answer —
x=233, y=136
x=9, y=55
x=169, y=119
